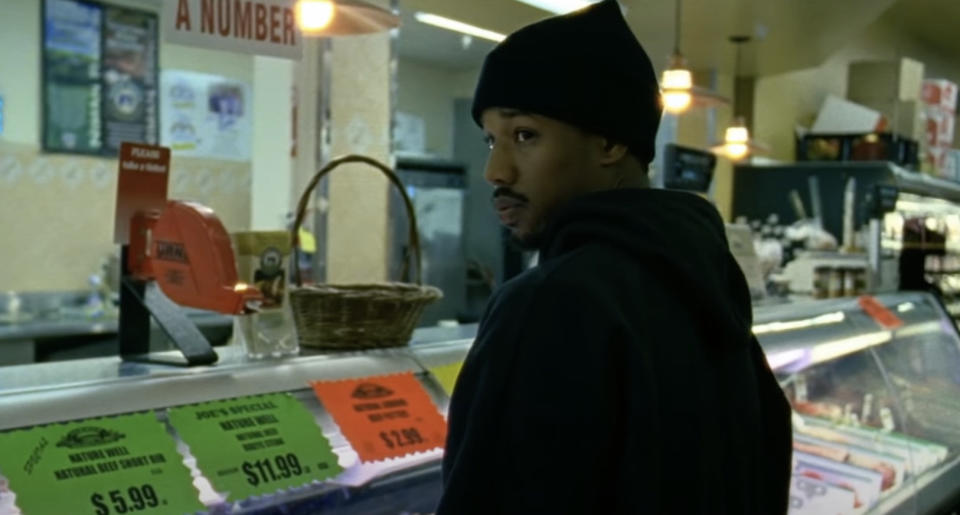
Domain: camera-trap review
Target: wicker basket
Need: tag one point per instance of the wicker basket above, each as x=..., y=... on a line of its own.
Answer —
x=358, y=316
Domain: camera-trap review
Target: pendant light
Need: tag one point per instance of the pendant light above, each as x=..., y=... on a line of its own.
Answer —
x=322, y=18
x=677, y=80
x=678, y=91
x=736, y=140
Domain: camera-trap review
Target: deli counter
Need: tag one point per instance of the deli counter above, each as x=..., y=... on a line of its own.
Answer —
x=875, y=390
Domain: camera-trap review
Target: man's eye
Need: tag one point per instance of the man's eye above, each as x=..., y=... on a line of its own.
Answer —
x=523, y=135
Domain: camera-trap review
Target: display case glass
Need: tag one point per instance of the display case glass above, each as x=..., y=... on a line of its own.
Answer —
x=875, y=389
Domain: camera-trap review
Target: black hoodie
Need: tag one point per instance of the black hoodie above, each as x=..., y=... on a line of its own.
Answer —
x=620, y=375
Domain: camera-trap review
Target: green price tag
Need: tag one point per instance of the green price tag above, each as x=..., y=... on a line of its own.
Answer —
x=113, y=465
x=255, y=445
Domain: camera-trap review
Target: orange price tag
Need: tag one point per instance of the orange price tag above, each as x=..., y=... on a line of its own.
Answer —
x=384, y=416
x=879, y=313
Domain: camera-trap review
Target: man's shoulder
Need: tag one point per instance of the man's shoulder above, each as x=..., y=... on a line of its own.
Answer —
x=567, y=273
x=563, y=284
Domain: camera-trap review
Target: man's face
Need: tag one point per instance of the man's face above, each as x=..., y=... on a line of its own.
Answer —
x=536, y=165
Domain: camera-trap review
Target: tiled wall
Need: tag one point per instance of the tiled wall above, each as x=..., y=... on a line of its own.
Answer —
x=56, y=211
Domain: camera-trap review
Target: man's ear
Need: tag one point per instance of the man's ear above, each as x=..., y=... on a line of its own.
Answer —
x=612, y=152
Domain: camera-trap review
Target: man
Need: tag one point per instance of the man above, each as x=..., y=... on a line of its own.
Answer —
x=619, y=375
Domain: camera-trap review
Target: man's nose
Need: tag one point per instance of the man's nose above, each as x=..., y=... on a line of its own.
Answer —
x=500, y=168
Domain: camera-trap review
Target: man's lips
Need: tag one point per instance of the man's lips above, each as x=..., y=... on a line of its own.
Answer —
x=504, y=203
x=508, y=209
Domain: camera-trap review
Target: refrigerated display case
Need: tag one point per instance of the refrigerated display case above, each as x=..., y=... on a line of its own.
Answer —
x=876, y=399
x=33, y=396
x=924, y=233
x=876, y=420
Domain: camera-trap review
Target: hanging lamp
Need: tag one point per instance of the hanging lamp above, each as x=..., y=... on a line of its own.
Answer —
x=737, y=143
x=678, y=91
x=322, y=18
x=677, y=81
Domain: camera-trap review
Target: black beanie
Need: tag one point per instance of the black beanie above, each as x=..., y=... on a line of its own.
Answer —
x=585, y=68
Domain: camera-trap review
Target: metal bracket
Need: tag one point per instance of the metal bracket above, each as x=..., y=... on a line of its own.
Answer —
x=139, y=300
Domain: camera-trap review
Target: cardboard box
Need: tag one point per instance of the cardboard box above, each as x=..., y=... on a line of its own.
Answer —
x=869, y=82
x=940, y=93
x=904, y=118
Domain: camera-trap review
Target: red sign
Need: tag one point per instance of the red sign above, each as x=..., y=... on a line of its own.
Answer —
x=384, y=416
x=141, y=185
x=879, y=313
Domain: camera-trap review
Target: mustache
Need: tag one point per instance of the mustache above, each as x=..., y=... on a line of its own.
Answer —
x=503, y=191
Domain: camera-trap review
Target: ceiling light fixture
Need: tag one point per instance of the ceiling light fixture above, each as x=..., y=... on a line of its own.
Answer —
x=459, y=26
x=314, y=15
x=677, y=81
x=737, y=144
x=559, y=6
x=324, y=18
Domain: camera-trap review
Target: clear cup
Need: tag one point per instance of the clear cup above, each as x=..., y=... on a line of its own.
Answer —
x=268, y=334
x=261, y=256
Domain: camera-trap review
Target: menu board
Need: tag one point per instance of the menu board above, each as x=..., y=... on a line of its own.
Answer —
x=129, y=78
x=99, y=77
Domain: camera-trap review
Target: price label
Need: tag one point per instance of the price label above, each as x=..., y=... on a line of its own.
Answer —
x=103, y=466
x=879, y=313
x=255, y=445
x=131, y=500
x=447, y=375
x=385, y=416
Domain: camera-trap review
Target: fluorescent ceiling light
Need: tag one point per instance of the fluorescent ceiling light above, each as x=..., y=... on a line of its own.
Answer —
x=459, y=26
x=559, y=6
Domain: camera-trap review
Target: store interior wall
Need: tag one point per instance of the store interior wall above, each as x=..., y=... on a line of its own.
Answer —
x=703, y=127
x=442, y=97
x=785, y=100
x=795, y=97
x=272, y=161
x=58, y=208
x=429, y=92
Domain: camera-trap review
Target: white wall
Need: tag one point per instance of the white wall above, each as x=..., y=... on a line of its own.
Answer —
x=428, y=91
x=272, y=128
x=57, y=210
x=20, y=70
x=795, y=97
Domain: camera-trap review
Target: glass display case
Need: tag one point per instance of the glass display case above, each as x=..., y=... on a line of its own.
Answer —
x=876, y=399
x=38, y=396
x=875, y=392
x=924, y=234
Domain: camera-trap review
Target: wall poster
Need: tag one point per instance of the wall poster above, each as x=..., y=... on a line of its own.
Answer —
x=206, y=115
x=99, y=77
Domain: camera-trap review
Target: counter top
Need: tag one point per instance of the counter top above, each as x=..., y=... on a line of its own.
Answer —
x=62, y=374
x=78, y=326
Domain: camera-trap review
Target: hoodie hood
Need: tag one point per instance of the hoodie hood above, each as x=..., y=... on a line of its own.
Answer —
x=672, y=232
